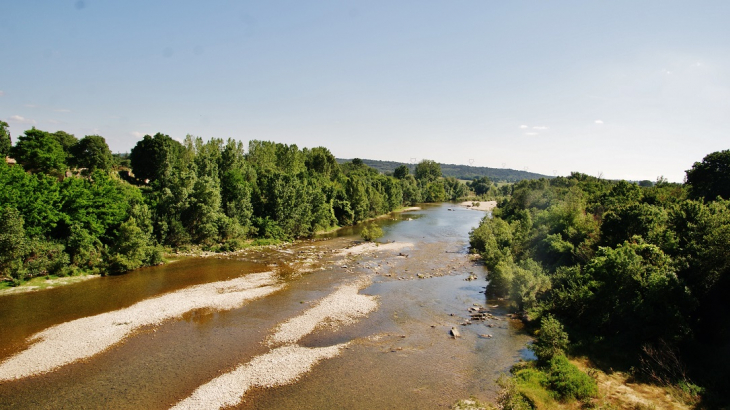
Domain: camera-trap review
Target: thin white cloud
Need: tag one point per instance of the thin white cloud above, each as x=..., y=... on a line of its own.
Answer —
x=524, y=127
x=541, y=127
x=531, y=134
x=599, y=122
x=20, y=120
x=30, y=106
x=137, y=134
x=62, y=110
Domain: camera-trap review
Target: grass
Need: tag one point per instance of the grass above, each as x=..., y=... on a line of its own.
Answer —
x=43, y=282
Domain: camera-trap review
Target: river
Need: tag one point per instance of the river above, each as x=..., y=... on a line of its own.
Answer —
x=399, y=355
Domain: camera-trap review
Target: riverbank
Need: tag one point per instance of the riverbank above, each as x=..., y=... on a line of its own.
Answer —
x=42, y=283
x=174, y=255
x=399, y=355
x=479, y=205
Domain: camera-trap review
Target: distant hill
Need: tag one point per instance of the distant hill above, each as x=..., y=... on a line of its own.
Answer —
x=458, y=171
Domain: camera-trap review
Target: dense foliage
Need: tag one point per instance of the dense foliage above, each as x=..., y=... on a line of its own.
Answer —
x=623, y=266
x=463, y=172
x=70, y=205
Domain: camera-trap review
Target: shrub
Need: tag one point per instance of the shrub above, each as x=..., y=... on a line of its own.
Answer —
x=568, y=382
x=371, y=233
x=551, y=339
x=265, y=242
x=510, y=398
x=500, y=277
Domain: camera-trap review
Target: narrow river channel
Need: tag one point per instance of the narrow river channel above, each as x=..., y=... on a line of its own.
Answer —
x=306, y=326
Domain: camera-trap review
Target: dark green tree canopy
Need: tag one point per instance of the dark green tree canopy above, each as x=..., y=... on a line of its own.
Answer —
x=5, y=141
x=39, y=151
x=401, y=172
x=321, y=160
x=65, y=139
x=428, y=170
x=93, y=153
x=481, y=186
x=711, y=177
x=154, y=157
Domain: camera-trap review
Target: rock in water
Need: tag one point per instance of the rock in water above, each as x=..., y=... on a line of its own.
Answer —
x=455, y=332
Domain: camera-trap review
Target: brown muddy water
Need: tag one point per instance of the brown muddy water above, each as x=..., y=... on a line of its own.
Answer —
x=401, y=356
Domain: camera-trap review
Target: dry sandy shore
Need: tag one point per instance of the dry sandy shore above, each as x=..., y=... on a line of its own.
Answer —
x=278, y=367
x=483, y=205
x=286, y=364
x=82, y=338
x=341, y=307
x=373, y=247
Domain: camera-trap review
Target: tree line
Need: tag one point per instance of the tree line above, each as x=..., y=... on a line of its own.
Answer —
x=69, y=206
x=463, y=172
x=640, y=272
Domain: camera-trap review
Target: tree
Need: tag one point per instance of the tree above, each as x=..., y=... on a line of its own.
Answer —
x=634, y=292
x=92, y=153
x=321, y=161
x=65, y=139
x=481, y=185
x=5, y=141
x=711, y=177
x=371, y=233
x=155, y=157
x=401, y=172
x=39, y=151
x=13, y=242
x=551, y=340
x=428, y=170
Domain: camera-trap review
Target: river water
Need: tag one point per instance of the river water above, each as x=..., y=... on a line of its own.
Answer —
x=400, y=356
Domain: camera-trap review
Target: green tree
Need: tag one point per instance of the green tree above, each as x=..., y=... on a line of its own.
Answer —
x=155, y=158
x=13, y=243
x=35, y=196
x=711, y=177
x=401, y=172
x=411, y=191
x=321, y=161
x=635, y=293
x=65, y=139
x=371, y=232
x=551, y=339
x=40, y=151
x=428, y=170
x=481, y=186
x=203, y=211
x=5, y=141
x=92, y=153
x=493, y=240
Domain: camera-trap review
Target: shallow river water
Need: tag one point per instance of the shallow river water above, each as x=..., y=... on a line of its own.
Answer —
x=400, y=356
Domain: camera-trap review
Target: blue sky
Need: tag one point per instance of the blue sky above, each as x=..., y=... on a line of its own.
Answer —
x=624, y=89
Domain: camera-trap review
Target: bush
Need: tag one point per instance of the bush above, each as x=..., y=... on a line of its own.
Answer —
x=232, y=245
x=510, y=397
x=500, y=277
x=371, y=233
x=568, y=382
x=551, y=339
x=265, y=242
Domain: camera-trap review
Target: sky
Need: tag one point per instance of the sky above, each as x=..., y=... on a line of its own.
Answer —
x=618, y=89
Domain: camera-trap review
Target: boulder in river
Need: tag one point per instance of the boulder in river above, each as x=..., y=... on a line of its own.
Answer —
x=455, y=332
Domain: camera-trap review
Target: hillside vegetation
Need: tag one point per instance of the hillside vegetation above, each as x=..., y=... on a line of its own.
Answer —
x=464, y=172
x=639, y=276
